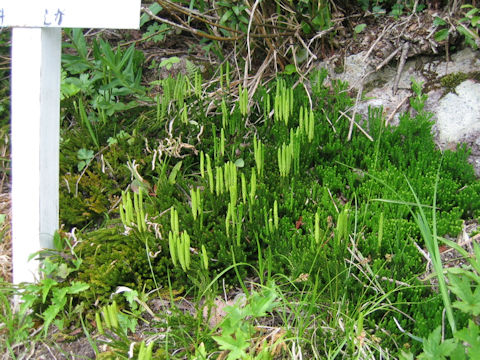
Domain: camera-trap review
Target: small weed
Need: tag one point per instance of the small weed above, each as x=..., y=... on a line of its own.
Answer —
x=15, y=327
x=238, y=333
x=84, y=156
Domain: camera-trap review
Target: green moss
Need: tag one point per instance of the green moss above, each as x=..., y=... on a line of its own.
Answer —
x=374, y=84
x=112, y=258
x=339, y=69
x=84, y=199
x=451, y=81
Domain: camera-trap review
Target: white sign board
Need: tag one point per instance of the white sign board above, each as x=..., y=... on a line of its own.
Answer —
x=112, y=14
x=35, y=115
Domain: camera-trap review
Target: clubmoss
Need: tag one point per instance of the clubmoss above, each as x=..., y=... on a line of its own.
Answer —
x=346, y=185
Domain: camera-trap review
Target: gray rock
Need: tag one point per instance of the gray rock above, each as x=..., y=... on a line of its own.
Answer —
x=456, y=114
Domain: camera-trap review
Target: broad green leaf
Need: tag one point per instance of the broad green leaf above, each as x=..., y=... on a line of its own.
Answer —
x=111, y=141
x=441, y=35
x=226, y=16
x=469, y=301
x=475, y=20
x=80, y=42
x=472, y=337
x=130, y=295
x=377, y=10
x=243, y=19
x=359, y=28
x=260, y=304
x=84, y=154
x=77, y=287
x=168, y=63
x=459, y=352
x=127, y=322
x=49, y=315
x=236, y=345
x=471, y=12
x=464, y=31
x=434, y=348
x=405, y=356
x=47, y=284
x=237, y=10
x=200, y=352
x=240, y=163
x=59, y=323
x=439, y=21
x=235, y=317
x=63, y=271
x=81, y=165
x=290, y=69
x=306, y=27
x=155, y=8
x=464, y=273
x=49, y=267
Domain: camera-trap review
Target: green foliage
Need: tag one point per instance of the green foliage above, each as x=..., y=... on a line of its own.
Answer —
x=100, y=251
x=434, y=348
x=237, y=328
x=154, y=31
x=468, y=27
x=96, y=89
x=393, y=7
x=169, y=62
x=173, y=189
x=461, y=286
x=15, y=327
x=132, y=213
x=471, y=337
x=234, y=15
x=275, y=204
x=84, y=156
x=318, y=14
x=463, y=282
x=51, y=297
x=116, y=325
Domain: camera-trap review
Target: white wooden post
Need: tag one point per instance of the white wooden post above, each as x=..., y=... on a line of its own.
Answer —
x=35, y=137
x=35, y=101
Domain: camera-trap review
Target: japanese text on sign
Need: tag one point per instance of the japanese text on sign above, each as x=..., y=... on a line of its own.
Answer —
x=53, y=17
x=110, y=14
